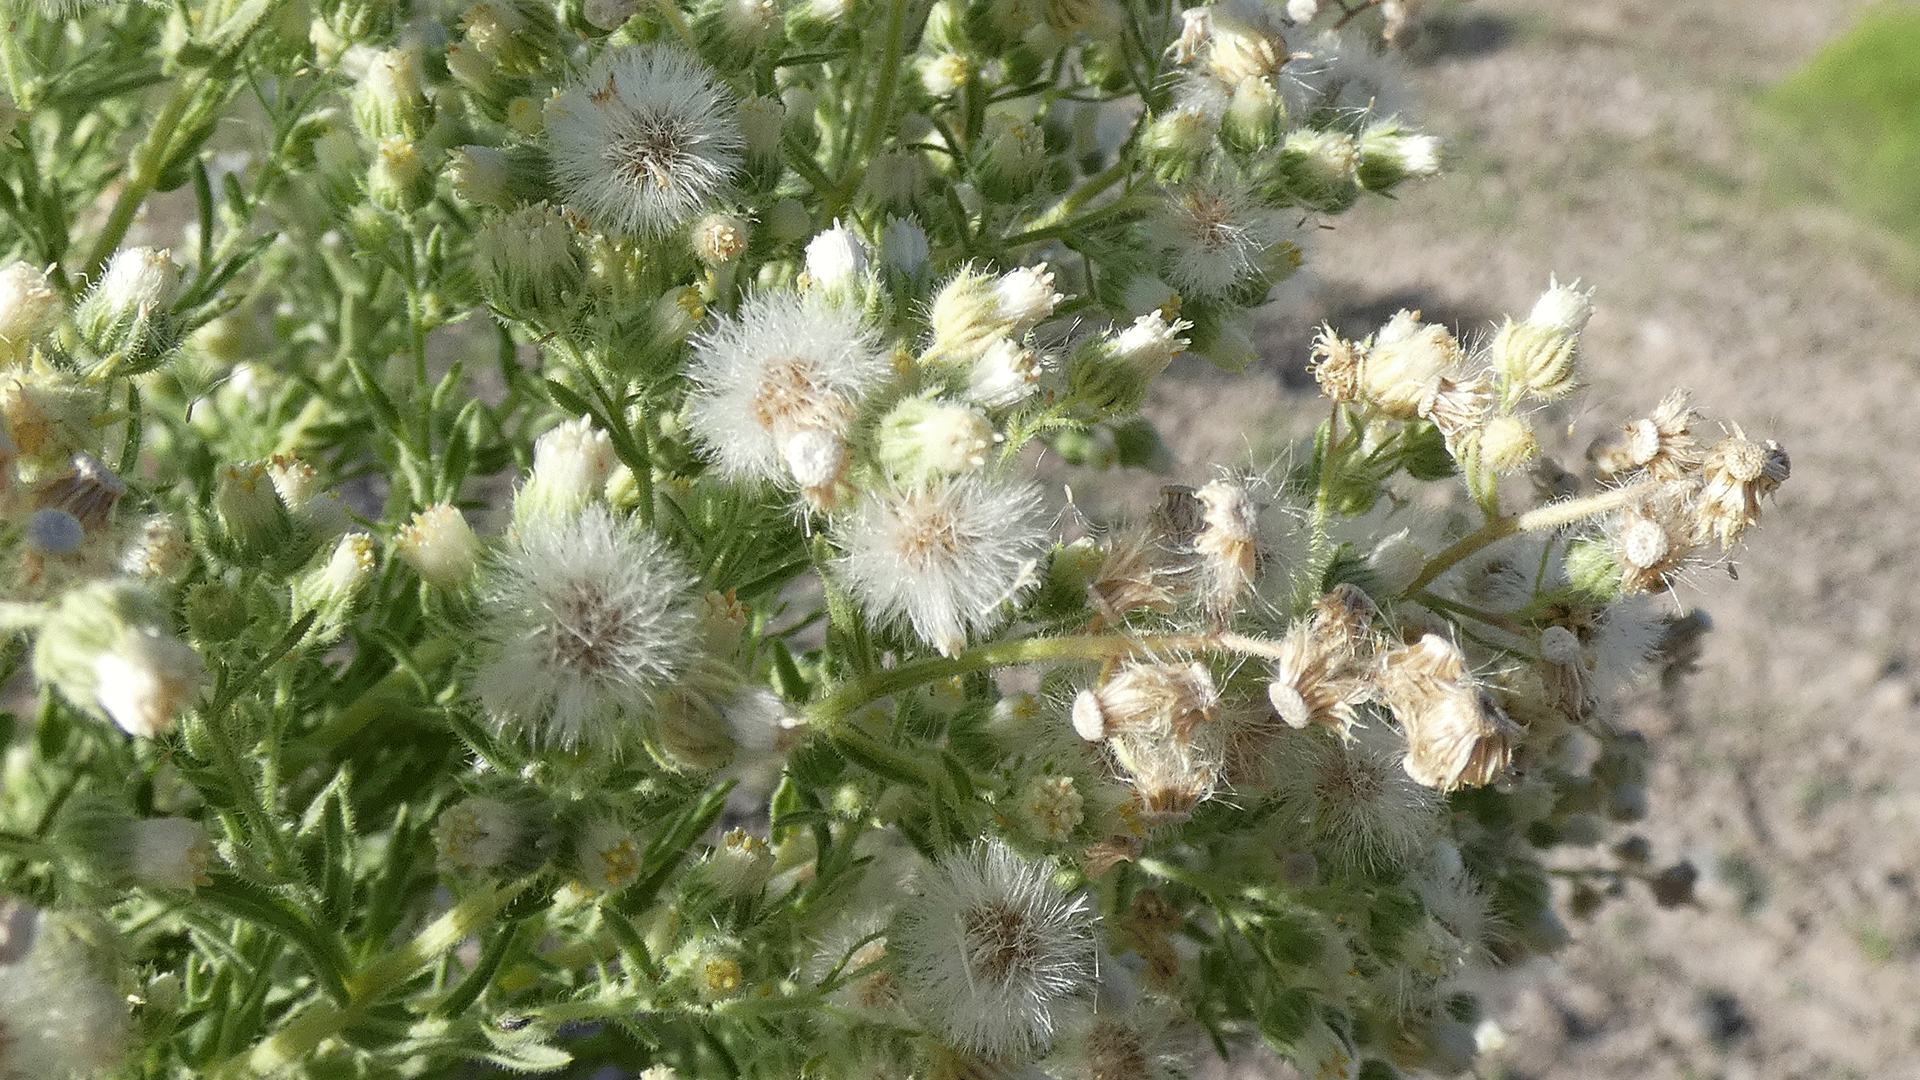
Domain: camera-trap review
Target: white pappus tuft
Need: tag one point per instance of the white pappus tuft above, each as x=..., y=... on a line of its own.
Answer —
x=583, y=619
x=943, y=555
x=644, y=141
x=776, y=389
x=990, y=952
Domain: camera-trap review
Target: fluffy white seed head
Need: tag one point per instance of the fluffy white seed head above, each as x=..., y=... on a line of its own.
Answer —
x=776, y=389
x=1215, y=236
x=943, y=556
x=583, y=620
x=644, y=141
x=990, y=953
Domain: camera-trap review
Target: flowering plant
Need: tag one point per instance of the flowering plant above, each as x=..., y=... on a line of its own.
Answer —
x=527, y=549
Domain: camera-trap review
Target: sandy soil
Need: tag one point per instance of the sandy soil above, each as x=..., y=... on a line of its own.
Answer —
x=1611, y=140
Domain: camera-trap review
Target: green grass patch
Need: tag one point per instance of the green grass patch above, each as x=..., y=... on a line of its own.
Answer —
x=1847, y=124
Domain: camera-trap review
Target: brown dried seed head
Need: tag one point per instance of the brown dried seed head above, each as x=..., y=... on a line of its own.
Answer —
x=1661, y=445
x=1654, y=537
x=1129, y=579
x=1737, y=472
x=1227, y=546
x=1170, y=699
x=1336, y=365
x=1456, y=735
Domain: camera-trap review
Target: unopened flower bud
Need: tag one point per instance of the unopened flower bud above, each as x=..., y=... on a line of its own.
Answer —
x=398, y=178
x=488, y=176
x=28, y=307
x=610, y=14
x=128, y=312
x=837, y=261
x=527, y=260
x=440, y=546
x=249, y=508
x=761, y=120
x=391, y=101
x=1507, y=443
x=921, y=438
x=903, y=246
x=571, y=464
x=331, y=589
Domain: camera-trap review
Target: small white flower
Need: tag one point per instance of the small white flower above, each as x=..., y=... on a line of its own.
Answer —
x=571, y=464
x=644, y=141
x=943, y=556
x=1150, y=343
x=990, y=952
x=1025, y=297
x=775, y=389
x=584, y=619
x=440, y=546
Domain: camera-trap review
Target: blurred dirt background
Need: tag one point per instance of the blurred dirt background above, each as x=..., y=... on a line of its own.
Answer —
x=1613, y=141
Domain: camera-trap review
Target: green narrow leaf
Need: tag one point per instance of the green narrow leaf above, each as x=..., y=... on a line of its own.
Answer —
x=251, y=903
x=383, y=409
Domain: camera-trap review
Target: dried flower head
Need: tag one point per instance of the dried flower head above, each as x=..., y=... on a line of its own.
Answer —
x=584, y=620
x=1736, y=474
x=1325, y=665
x=1226, y=548
x=990, y=952
x=776, y=388
x=1654, y=536
x=644, y=141
x=1146, y=698
x=1456, y=735
x=1661, y=445
x=944, y=555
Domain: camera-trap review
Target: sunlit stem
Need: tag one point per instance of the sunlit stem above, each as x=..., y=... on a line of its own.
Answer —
x=1550, y=516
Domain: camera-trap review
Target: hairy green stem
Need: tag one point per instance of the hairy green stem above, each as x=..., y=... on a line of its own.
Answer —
x=390, y=972
x=830, y=712
x=149, y=159
x=1550, y=516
